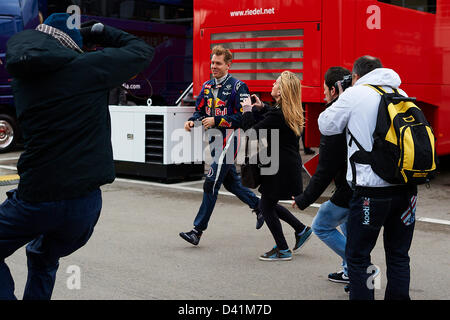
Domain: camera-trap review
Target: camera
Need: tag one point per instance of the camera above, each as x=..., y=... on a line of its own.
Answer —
x=92, y=32
x=253, y=99
x=346, y=82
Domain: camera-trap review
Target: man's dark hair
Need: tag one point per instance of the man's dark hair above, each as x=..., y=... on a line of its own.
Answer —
x=335, y=74
x=365, y=64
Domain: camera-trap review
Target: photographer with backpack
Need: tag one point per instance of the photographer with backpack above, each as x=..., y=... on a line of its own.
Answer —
x=379, y=200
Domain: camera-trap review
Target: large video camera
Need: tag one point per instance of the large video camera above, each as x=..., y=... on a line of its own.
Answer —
x=346, y=82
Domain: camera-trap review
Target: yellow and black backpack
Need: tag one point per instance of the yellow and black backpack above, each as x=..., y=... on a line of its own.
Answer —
x=404, y=144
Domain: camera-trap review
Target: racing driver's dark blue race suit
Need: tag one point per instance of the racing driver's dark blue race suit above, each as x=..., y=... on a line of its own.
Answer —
x=227, y=113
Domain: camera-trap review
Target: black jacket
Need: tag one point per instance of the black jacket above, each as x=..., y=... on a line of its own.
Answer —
x=287, y=182
x=61, y=99
x=332, y=165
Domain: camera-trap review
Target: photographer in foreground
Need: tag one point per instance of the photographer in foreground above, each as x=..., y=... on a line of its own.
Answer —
x=61, y=98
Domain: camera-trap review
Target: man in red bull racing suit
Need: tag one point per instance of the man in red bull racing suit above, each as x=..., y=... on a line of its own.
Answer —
x=218, y=106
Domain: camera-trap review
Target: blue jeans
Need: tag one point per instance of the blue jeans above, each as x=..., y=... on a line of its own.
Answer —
x=232, y=182
x=324, y=225
x=395, y=211
x=52, y=230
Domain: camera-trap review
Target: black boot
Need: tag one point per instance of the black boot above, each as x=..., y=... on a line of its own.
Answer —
x=192, y=236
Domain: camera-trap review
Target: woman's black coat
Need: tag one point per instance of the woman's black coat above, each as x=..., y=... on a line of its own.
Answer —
x=287, y=182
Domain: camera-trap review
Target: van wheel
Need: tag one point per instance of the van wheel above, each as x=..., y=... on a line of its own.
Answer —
x=8, y=133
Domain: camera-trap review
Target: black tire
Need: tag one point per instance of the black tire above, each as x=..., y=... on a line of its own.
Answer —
x=8, y=133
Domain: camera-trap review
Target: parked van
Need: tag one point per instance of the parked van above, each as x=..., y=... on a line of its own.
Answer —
x=15, y=16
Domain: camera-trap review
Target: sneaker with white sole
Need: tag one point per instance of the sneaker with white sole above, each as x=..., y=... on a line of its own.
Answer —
x=277, y=255
x=339, y=277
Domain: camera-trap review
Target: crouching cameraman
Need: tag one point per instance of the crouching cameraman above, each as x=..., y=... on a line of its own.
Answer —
x=61, y=98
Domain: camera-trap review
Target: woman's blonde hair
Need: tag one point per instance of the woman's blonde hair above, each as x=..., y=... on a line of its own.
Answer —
x=291, y=101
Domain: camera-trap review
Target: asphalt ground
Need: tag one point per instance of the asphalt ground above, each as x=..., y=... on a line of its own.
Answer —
x=136, y=253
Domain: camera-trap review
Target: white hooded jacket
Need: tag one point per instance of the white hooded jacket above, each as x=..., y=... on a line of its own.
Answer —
x=357, y=109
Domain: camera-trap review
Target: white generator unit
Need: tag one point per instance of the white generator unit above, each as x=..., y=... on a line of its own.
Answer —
x=151, y=142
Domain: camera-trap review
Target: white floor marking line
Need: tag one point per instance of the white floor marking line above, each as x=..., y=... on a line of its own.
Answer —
x=315, y=205
x=12, y=158
x=226, y=193
x=430, y=220
x=187, y=183
x=8, y=167
x=182, y=186
x=169, y=186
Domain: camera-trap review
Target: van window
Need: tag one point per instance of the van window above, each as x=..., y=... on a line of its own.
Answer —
x=419, y=5
x=7, y=29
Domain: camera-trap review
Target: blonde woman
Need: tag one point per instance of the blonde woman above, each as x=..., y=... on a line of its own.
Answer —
x=287, y=118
